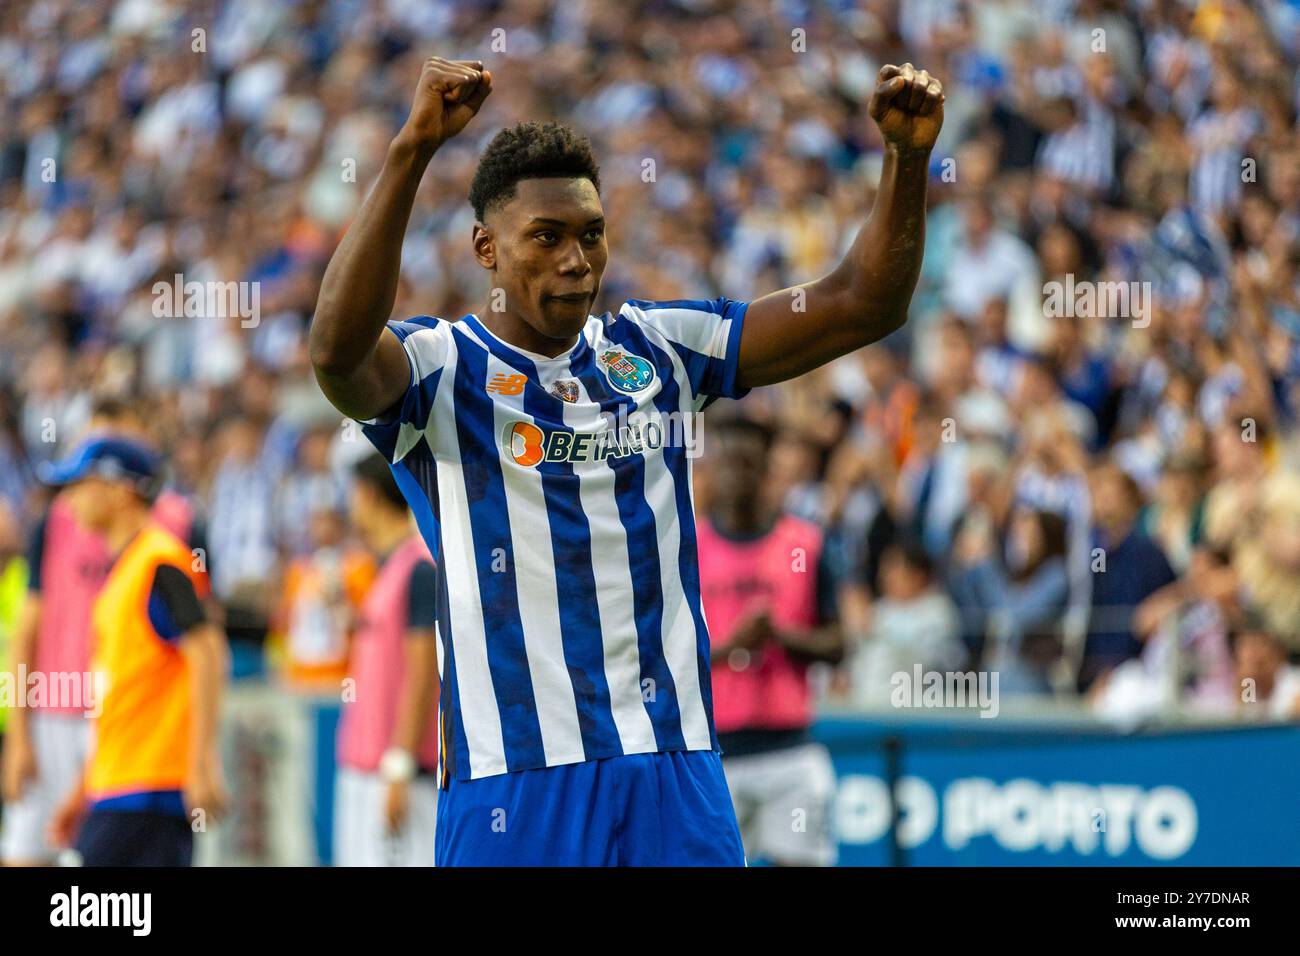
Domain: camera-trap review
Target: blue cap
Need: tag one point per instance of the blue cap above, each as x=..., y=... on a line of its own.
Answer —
x=109, y=457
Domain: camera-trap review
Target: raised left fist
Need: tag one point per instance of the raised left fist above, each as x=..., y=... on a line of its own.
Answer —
x=908, y=107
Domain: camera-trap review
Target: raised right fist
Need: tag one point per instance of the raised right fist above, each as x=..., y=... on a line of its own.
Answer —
x=449, y=94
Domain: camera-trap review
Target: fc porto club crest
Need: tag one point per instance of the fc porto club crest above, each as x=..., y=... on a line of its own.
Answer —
x=565, y=390
x=627, y=373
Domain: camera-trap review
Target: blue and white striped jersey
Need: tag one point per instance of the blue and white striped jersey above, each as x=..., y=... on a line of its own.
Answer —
x=556, y=494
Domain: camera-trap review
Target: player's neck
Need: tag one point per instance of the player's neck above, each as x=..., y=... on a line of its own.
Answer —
x=516, y=332
x=743, y=522
x=389, y=535
x=125, y=526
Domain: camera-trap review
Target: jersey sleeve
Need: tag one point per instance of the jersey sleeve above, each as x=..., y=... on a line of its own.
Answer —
x=705, y=335
x=174, y=606
x=397, y=430
x=422, y=597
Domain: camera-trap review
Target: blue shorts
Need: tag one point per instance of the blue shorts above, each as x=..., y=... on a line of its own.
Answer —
x=658, y=809
x=135, y=838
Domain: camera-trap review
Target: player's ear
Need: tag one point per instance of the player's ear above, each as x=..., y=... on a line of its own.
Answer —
x=485, y=247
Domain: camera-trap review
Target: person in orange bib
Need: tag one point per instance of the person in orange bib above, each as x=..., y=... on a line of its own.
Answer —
x=153, y=776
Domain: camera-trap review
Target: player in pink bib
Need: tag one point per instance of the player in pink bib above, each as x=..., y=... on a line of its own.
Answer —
x=386, y=792
x=770, y=611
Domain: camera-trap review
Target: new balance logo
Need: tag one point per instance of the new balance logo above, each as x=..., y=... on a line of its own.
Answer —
x=507, y=384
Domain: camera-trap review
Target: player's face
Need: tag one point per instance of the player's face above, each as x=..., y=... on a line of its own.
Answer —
x=92, y=502
x=548, y=248
x=740, y=460
x=362, y=507
x=368, y=509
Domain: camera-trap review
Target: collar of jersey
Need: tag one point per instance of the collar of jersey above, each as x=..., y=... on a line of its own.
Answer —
x=513, y=353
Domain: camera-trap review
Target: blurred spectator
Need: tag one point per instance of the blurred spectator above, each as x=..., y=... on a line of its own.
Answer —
x=1241, y=468
x=858, y=523
x=1127, y=567
x=998, y=363
x=1084, y=376
x=243, y=546
x=989, y=262
x=323, y=593
x=1174, y=518
x=310, y=485
x=1217, y=136
x=1185, y=662
x=1269, y=686
x=54, y=410
x=890, y=402
x=912, y=623
x=1017, y=606
x=1268, y=561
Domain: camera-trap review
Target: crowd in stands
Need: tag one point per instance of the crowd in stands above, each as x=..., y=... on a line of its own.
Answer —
x=1077, y=465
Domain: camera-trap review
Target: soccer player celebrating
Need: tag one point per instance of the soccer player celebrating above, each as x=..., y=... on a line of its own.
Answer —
x=539, y=448
x=153, y=757
x=386, y=797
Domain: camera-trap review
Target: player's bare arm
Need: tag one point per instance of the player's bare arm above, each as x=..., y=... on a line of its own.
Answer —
x=824, y=644
x=417, y=701
x=204, y=648
x=361, y=370
x=866, y=296
x=68, y=815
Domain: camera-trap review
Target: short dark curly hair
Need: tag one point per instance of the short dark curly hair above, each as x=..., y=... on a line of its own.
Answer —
x=529, y=151
x=373, y=470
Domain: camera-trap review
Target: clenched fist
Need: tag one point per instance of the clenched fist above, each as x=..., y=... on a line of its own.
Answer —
x=449, y=94
x=908, y=107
